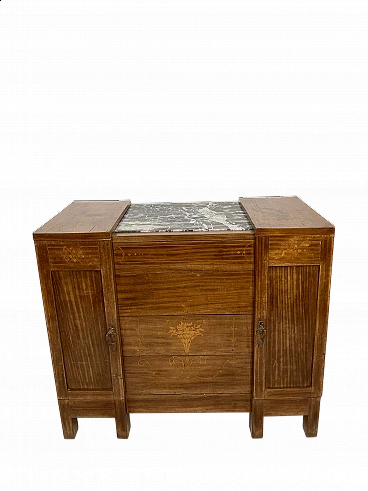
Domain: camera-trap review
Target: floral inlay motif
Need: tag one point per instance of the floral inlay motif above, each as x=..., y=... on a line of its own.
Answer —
x=72, y=255
x=186, y=332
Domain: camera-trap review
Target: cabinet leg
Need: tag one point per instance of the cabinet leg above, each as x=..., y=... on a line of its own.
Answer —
x=122, y=419
x=69, y=424
x=310, y=421
x=256, y=419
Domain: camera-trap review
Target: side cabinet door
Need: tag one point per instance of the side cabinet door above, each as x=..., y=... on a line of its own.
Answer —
x=78, y=289
x=292, y=294
x=82, y=327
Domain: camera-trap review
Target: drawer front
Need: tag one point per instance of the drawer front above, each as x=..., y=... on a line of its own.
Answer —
x=174, y=292
x=216, y=254
x=187, y=374
x=184, y=335
x=187, y=355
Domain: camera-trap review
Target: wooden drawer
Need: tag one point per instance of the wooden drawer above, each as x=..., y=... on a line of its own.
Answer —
x=217, y=254
x=187, y=374
x=191, y=354
x=179, y=292
x=183, y=335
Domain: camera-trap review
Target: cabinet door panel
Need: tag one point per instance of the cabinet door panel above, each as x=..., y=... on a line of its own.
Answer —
x=291, y=314
x=292, y=293
x=82, y=327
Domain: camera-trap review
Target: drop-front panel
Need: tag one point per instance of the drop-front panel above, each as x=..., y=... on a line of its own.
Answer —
x=186, y=315
x=181, y=307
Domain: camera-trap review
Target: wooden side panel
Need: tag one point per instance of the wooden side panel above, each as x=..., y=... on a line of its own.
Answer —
x=51, y=320
x=322, y=316
x=187, y=374
x=82, y=326
x=185, y=293
x=291, y=325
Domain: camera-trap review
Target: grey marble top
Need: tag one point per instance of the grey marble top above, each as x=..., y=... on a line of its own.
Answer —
x=184, y=217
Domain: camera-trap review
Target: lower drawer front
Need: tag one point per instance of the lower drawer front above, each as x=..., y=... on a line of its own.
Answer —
x=191, y=354
x=187, y=374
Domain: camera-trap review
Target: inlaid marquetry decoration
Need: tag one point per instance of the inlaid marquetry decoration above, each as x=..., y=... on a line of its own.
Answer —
x=186, y=332
x=294, y=250
x=129, y=255
x=158, y=348
x=72, y=255
x=78, y=255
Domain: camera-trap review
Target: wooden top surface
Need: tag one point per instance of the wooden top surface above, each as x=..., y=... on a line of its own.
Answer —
x=284, y=214
x=84, y=220
x=99, y=219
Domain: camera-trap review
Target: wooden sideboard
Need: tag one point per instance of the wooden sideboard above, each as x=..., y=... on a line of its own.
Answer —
x=202, y=307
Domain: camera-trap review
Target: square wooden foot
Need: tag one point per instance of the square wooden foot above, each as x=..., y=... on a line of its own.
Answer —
x=69, y=424
x=256, y=419
x=310, y=421
x=122, y=420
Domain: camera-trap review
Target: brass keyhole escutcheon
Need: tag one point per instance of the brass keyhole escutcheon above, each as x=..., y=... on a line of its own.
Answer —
x=111, y=337
x=261, y=332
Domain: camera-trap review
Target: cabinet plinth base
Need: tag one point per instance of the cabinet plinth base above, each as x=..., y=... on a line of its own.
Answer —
x=72, y=410
x=308, y=408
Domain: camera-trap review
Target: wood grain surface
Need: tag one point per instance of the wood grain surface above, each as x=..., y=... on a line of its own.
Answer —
x=84, y=220
x=187, y=374
x=260, y=306
x=82, y=326
x=184, y=310
x=173, y=292
x=291, y=325
x=219, y=254
x=189, y=403
x=289, y=250
x=53, y=333
x=74, y=255
x=286, y=407
x=208, y=335
x=284, y=214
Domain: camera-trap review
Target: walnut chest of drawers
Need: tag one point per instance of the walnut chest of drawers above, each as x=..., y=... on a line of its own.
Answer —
x=187, y=307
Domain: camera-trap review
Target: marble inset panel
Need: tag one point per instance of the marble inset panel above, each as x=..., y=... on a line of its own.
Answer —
x=185, y=217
